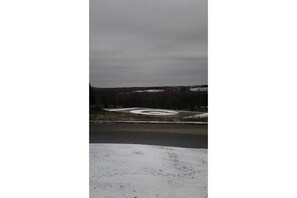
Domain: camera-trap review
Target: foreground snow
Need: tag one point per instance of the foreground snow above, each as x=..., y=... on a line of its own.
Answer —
x=130, y=170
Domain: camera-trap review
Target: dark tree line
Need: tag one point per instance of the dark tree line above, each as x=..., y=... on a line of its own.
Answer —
x=170, y=98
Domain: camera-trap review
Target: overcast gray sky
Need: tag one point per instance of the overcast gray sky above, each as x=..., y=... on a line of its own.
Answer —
x=148, y=42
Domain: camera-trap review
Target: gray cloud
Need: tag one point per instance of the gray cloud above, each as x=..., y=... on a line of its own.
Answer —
x=148, y=42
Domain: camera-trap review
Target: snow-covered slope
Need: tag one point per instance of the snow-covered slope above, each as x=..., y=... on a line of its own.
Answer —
x=130, y=170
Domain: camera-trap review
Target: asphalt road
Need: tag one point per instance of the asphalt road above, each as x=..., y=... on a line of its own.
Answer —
x=179, y=135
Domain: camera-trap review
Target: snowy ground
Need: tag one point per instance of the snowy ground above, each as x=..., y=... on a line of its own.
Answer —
x=144, y=171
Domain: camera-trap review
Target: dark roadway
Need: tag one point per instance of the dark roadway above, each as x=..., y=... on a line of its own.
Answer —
x=178, y=135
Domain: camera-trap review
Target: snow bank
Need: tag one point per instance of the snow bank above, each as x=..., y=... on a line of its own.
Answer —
x=130, y=170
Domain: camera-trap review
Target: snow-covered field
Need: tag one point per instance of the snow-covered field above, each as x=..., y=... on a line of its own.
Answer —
x=144, y=171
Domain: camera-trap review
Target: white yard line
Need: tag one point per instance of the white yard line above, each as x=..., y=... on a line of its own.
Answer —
x=131, y=170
